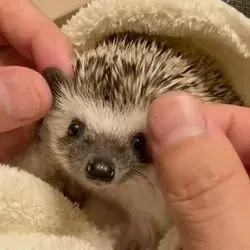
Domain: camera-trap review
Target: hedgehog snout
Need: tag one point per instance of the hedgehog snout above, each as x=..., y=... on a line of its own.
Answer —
x=100, y=168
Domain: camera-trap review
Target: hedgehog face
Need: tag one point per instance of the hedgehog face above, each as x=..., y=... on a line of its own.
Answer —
x=99, y=151
x=96, y=145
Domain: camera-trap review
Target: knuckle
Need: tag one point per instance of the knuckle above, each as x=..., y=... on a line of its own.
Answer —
x=204, y=199
x=201, y=187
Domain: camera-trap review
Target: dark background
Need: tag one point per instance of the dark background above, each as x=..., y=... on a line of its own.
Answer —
x=241, y=5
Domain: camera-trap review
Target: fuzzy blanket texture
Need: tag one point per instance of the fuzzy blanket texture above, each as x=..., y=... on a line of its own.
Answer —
x=33, y=215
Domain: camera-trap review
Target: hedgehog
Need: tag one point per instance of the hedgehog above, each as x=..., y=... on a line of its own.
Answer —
x=92, y=145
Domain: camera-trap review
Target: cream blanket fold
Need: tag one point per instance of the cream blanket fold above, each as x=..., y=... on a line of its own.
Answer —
x=35, y=216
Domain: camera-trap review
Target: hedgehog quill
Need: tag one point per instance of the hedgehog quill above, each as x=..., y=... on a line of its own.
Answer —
x=93, y=146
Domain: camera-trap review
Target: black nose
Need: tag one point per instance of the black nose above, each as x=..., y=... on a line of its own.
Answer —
x=101, y=169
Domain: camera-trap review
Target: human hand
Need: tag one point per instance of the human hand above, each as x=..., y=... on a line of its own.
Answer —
x=202, y=152
x=29, y=40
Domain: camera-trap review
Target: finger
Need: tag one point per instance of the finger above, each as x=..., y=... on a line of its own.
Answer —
x=198, y=167
x=35, y=36
x=24, y=97
x=3, y=41
x=9, y=57
x=235, y=123
x=15, y=141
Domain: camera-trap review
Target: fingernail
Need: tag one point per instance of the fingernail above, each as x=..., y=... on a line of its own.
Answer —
x=175, y=117
x=21, y=98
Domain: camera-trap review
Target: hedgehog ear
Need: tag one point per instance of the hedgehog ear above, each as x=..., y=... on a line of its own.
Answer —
x=56, y=80
x=77, y=66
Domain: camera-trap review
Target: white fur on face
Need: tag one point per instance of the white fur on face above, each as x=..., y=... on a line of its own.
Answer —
x=99, y=119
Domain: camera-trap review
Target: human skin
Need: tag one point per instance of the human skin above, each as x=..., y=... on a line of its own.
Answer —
x=29, y=42
x=201, y=152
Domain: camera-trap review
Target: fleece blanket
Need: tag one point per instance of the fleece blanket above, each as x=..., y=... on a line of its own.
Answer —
x=33, y=215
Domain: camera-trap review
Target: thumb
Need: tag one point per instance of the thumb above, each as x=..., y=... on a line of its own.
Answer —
x=24, y=97
x=203, y=180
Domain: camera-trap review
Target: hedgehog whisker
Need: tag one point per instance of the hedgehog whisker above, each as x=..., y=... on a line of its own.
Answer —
x=138, y=173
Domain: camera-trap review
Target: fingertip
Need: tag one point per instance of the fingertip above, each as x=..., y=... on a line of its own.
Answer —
x=174, y=116
x=35, y=36
x=44, y=94
x=161, y=106
x=26, y=97
x=39, y=88
x=53, y=50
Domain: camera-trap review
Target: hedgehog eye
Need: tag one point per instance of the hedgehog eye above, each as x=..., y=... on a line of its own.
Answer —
x=75, y=128
x=140, y=147
x=139, y=143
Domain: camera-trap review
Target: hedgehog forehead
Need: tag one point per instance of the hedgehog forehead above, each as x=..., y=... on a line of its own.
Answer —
x=122, y=72
x=103, y=119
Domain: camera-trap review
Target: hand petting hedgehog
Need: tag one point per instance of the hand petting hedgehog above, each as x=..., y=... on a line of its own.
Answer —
x=94, y=141
x=94, y=144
